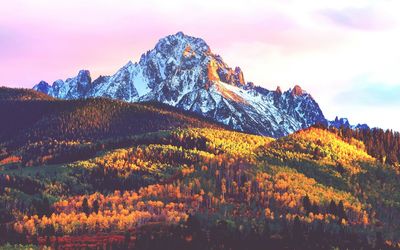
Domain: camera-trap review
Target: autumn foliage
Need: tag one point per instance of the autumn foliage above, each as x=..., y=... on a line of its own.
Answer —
x=103, y=181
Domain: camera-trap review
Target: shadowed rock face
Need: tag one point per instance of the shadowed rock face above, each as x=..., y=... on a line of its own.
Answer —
x=182, y=71
x=43, y=86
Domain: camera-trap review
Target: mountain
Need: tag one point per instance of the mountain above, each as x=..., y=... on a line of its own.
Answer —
x=344, y=122
x=183, y=72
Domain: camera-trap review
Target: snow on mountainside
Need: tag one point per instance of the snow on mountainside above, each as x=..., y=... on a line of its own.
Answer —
x=183, y=72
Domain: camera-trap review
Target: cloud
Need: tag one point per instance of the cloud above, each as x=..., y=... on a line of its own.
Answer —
x=366, y=18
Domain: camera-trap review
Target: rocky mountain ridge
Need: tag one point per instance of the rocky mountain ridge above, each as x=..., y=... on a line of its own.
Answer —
x=182, y=71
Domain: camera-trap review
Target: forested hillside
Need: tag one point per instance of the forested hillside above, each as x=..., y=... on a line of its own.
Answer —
x=143, y=176
x=44, y=130
x=11, y=94
x=382, y=144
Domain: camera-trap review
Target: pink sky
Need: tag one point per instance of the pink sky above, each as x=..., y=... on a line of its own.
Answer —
x=345, y=55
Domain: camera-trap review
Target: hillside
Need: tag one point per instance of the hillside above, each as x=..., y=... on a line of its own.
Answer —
x=51, y=131
x=209, y=188
x=382, y=144
x=13, y=94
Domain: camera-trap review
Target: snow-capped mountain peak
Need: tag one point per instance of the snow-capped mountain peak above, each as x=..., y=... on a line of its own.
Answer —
x=182, y=71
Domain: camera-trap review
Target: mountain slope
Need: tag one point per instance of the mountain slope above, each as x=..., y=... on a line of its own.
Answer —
x=220, y=178
x=12, y=94
x=182, y=71
x=34, y=130
x=98, y=167
x=37, y=115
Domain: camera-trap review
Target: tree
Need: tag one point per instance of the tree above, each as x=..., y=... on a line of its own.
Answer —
x=266, y=231
x=56, y=244
x=340, y=211
x=35, y=240
x=85, y=206
x=48, y=241
x=379, y=244
x=307, y=204
x=127, y=239
x=392, y=159
x=315, y=208
x=96, y=206
x=49, y=230
x=340, y=168
x=297, y=233
x=332, y=209
x=193, y=224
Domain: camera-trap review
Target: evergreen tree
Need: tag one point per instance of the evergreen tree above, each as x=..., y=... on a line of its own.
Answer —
x=96, y=206
x=340, y=211
x=315, y=208
x=307, y=204
x=127, y=239
x=48, y=241
x=332, y=209
x=379, y=243
x=297, y=233
x=85, y=206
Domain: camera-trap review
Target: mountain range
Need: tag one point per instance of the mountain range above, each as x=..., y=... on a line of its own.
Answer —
x=344, y=122
x=183, y=72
